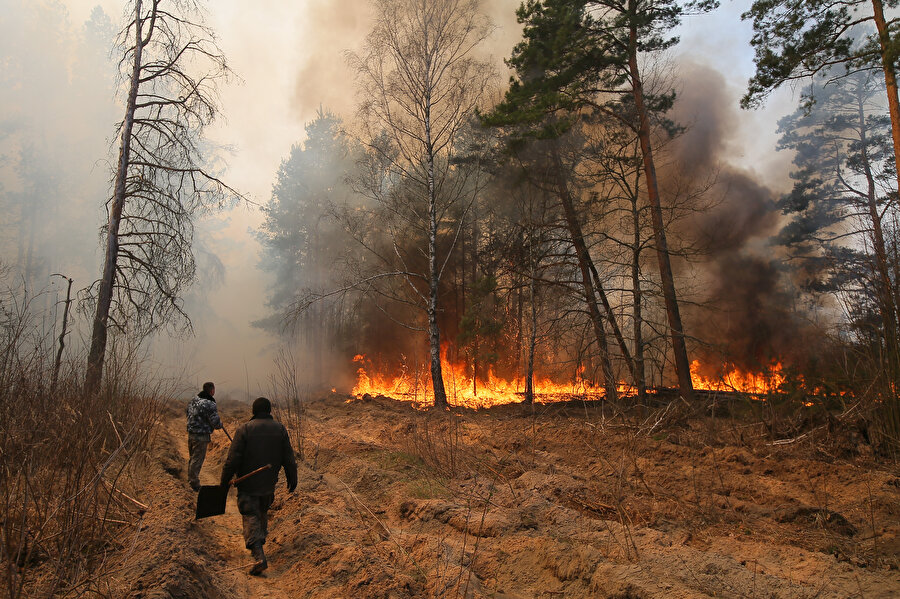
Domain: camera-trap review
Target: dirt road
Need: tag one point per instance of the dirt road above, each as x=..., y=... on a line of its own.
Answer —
x=393, y=502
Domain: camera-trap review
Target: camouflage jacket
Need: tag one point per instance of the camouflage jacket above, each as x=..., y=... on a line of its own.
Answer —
x=202, y=415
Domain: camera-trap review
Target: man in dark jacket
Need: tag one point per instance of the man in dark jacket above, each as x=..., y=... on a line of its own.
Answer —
x=202, y=420
x=260, y=442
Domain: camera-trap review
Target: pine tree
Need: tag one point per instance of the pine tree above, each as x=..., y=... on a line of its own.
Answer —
x=582, y=56
x=796, y=39
x=301, y=237
x=842, y=198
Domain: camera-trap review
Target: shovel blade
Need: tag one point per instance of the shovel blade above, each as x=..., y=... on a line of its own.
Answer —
x=211, y=501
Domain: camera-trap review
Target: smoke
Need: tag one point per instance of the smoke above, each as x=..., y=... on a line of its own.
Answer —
x=744, y=311
x=324, y=78
x=59, y=109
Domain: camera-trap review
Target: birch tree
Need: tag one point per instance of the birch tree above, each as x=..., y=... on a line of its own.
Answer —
x=421, y=81
x=171, y=66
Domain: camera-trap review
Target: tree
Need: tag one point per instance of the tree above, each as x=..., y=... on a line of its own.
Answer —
x=481, y=326
x=583, y=55
x=796, y=39
x=422, y=82
x=57, y=100
x=844, y=213
x=300, y=236
x=615, y=163
x=33, y=82
x=171, y=67
x=843, y=195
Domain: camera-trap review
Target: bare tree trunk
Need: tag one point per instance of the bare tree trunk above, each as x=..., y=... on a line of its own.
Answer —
x=581, y=253
x=888, y=58
x=640, y=378
x=104, y=299
x=476, y=362
x=610, y=315
x=679, y=347
x=885, y=295
x=30, y=275
x=62, y=335
x=885, y=287
x=319, y=315
x=520, y=333
x=532, y=340
x=434, y=331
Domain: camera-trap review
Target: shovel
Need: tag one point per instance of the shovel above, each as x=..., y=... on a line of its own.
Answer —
x=211, y=498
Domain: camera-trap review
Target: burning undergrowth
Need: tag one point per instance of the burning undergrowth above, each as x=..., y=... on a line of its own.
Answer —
x=415, y=385
x=748, y=315
x=748, y=329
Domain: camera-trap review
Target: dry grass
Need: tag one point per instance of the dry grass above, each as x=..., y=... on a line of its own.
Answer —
x=68, y=466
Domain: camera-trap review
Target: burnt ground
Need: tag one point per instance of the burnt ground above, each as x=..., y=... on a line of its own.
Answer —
x=564, y=501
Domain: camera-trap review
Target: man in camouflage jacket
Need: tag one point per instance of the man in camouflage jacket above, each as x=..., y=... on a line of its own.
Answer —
x=202, y=420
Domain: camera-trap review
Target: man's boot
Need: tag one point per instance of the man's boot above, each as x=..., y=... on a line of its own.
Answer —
x=259, y=557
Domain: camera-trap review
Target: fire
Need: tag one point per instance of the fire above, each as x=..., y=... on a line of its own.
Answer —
x=736, y=380
x=462, y=390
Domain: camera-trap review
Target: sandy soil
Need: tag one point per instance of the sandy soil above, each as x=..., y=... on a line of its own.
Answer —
x=563, y=501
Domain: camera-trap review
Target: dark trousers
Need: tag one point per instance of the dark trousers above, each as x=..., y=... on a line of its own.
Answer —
x=254, y=511
x=197, y=445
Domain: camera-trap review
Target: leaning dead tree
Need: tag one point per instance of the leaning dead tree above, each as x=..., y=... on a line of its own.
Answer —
x=62, y=336
x=421, y=83
x=171, y=66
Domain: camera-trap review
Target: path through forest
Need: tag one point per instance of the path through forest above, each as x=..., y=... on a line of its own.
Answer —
x=222, y=534
x=563, y=502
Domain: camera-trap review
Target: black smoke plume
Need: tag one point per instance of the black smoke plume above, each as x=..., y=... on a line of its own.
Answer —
x=744, y=313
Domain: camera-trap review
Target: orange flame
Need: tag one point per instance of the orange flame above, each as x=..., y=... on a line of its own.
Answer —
x=463, y=391
x=736, y=380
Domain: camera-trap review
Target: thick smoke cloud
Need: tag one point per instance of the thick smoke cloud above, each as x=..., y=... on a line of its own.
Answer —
x=744, y=314
x=57, y=115
x=59, y=108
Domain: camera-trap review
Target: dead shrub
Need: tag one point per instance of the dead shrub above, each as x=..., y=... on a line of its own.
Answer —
x=67, y=465
x=288, y=399
x=436, y=439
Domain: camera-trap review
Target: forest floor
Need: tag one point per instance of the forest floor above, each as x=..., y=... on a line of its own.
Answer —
x=560, y=501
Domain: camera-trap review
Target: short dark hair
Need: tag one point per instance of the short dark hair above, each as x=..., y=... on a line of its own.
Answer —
x=261, y=405
x=207, y=387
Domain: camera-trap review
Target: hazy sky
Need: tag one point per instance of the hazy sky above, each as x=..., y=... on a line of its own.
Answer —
x=289, y=55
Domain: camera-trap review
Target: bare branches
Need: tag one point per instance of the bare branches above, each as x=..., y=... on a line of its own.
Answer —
x=162, y=180
x=420, y=83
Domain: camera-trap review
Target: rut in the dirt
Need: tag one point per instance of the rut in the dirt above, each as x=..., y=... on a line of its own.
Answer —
x=383, y=511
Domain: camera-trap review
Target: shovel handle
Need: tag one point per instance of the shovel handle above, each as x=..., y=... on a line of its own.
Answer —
x=249, y=474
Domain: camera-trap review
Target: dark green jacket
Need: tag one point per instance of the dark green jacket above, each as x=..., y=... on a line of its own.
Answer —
x=261, y=441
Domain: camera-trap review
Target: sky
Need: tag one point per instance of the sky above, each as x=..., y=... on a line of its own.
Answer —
x=289, y=57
